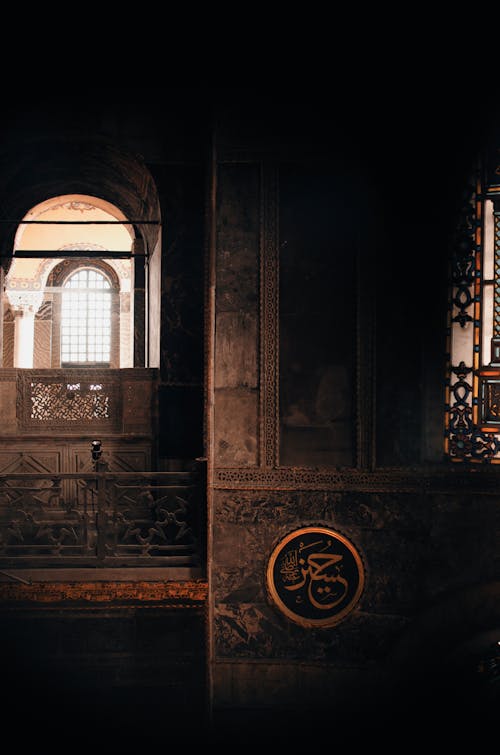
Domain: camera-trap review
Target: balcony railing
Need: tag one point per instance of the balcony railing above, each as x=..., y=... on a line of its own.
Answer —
x=101, y=519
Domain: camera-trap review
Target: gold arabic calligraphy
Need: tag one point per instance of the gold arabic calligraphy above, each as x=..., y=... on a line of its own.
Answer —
x=326, y=588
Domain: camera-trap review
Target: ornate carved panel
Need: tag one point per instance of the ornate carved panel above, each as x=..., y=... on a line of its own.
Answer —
x=86, y=399
x=31, y=460
x=78, y=401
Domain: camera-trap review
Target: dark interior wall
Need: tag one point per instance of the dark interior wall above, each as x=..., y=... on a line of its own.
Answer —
x=366, y=194
x=112, y=677
x=182, y=197
x=389, y=185
x=421, y=550
x=236, y=312
x=318, y=242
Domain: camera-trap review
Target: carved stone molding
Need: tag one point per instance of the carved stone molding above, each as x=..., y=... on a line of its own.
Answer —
x=391, y=480
x=9, y=375
x=269, y=319
x=173, y=594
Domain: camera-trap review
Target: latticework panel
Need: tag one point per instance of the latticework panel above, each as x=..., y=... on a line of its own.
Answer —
x=92, y=400
x=53, y=401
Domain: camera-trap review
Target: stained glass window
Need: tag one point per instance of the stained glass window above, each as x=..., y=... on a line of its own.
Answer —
x=472, y=431
x=86, y=318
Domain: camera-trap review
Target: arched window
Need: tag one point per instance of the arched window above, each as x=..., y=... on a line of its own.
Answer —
x=85, y=314
x=86, y=319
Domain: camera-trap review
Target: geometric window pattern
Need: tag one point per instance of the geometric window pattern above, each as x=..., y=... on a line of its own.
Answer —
x=86, y=318
x=472, y=431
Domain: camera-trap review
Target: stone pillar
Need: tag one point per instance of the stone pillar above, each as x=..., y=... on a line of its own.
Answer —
x=24, y=331
x=24, y=305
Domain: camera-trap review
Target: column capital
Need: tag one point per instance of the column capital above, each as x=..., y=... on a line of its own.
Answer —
x=24, y=302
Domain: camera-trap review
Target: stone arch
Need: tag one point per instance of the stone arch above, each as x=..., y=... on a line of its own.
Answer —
x=95, y=168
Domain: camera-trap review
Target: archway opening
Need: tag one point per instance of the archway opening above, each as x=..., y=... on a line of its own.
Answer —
x=58, y=243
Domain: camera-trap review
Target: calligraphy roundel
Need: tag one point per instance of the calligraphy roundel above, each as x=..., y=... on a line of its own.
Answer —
x=315, y=576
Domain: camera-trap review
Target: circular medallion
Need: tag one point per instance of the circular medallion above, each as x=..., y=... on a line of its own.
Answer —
x=315, y=576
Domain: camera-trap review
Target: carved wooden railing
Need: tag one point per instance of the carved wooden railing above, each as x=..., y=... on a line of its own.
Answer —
x=102, y=519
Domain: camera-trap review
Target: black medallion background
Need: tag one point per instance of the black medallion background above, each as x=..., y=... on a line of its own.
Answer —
x=315, y=576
